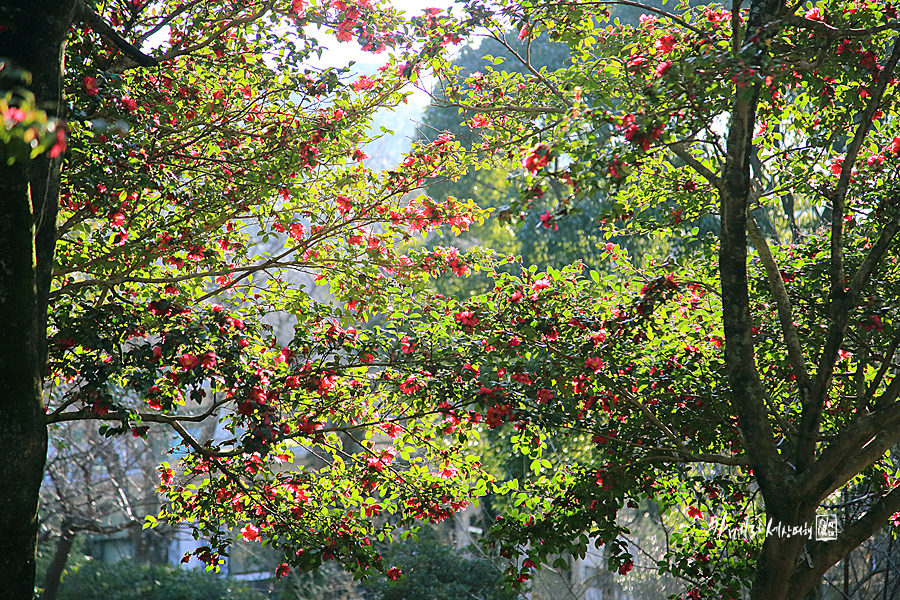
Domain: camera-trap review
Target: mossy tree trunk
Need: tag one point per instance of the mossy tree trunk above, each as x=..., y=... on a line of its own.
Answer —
x=32, y=38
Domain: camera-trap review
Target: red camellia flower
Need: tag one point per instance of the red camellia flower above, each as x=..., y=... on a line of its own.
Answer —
x=129, y=103
x=815, y=14
x=695, y=513
x=594, y=364
x=188, y=361
x=521, y=378
x=893, y=147
x=407, y=346
x=394, y=573
x=208, y=360
x=327, y=383
x=363, y=83
x=625, y=568
x=636, y=63
x=548, y=220
x=665, y=44
x=544, y=395
x=537, y=157
x=540, y=284
x=284, y=356
x=836, y=166
x=663, y=67
x=250, y=532
x=117, y=219
x=466, y=318
x=282, y=570
x=89, y=85
x=166, y=475
x=479, y=121
x=391, y=429
x=647, y=20
x=409, y=385
x=382, y=460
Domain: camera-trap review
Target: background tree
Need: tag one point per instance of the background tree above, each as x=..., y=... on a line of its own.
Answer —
x=555, y=231
x=127, y=581
x=100, y=485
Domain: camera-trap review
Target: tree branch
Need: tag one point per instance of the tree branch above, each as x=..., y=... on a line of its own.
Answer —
x=821, y=475
x=733, y=461
x=651, y=9
x=540, y=110
x=833, y=32
x=173, y=53
x=840, y=193
x=886, y=361
x=84, y=415
x=783, y=302
x=86, y=15
x=534, y=72
x=681, y=152
x=823, y=555
x=842, y=302
x=870, y=263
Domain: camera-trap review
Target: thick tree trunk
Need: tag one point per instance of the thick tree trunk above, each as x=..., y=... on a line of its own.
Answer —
x=32, y=39
x=779, y=556
x=23, y=434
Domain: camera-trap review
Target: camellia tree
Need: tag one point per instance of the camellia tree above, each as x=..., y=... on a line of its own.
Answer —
x=155, y=206
x=749, y=390
x=753, y=382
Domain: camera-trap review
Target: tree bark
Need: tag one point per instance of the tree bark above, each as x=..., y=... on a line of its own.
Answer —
x=779, y=555
x=56, y=568
x=787, y=568
x=33, y=39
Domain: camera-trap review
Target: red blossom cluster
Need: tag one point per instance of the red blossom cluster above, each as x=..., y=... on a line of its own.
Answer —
x=639, y=134
x=536, y=158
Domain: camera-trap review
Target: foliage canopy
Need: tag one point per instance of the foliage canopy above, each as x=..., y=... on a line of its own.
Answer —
x=749, y=386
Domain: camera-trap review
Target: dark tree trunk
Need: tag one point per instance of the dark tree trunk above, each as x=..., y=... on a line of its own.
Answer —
x=56, y=568
x=33, y=38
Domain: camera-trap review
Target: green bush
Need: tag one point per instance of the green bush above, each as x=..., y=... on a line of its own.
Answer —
x=127, y=581
x=435, y=572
